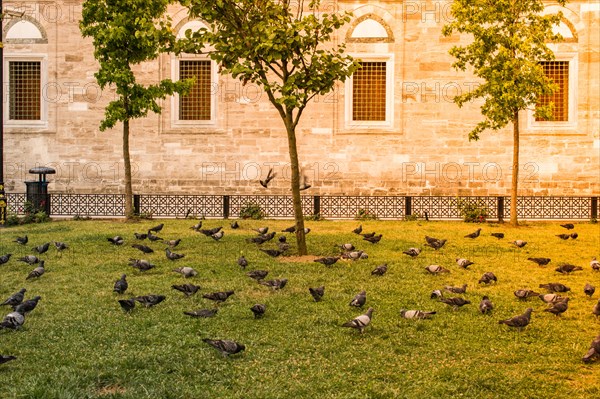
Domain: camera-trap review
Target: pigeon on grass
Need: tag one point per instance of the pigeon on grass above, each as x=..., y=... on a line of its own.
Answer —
x=225, y=346
x=218, y=297
x=589, y=290
x=186, y=271
x=13, y=320
x=359, y=299
x=5, y=258
x=6, y=358
x=259, y=310
x=276, y=284
x=485, y=306
x=37, y=272
x=186, y=289
x=15, y=299
x=360, y=322
x=257, y=275
x=156, y=229
x=127, y=304
x=27, y=306
x=203, y=313
x=317, y=293
x=40, y=249
x=29, y=259
x=555, y=287
x=520, y=321
x=328, y=261
x=524, y=294
x=416, y=314
x=144, y=248
x=172, y=255
x=140, y=264
x=474, y=234
x=464, y=263
x=21, y=240
x=455, y=302
x=121, y=285
x=436, y=269
x=150, y=300
x=456, y=290
x=379, y=270
x=594, y=352
x=116, y=240
x=559, y=307
x=540, y=261
x=487, y=278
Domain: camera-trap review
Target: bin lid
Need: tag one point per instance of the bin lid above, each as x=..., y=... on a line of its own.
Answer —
x=42, y=170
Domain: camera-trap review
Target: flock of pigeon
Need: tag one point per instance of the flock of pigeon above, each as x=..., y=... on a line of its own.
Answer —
x=557, y=304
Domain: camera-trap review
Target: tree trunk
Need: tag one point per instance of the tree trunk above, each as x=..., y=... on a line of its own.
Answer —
x=298, y=216
x=127, y=168
x=515, y=172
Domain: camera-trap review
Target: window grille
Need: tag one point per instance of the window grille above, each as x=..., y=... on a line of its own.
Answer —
x=369, y=92
x=558, y=72
x=196, y=105
x=25, y=102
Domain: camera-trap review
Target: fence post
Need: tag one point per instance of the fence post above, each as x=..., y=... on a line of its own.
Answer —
x=594, y=213
x=226, y=207
x=316, y=205
x=500, y=209
x=407, y=206
x=136, y=204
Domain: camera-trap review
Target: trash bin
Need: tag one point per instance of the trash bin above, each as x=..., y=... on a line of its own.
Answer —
x=37, y=191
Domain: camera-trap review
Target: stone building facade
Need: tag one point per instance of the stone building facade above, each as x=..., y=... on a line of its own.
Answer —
x=417, y=144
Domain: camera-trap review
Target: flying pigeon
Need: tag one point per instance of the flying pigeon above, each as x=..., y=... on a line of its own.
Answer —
x=217, y=236
x=21, y=240
x=5, y=258
x=594, y=352
x=485, y=306
x=259, y=310
x=172, y=255
x=416, y=314
x=234, y=225
x=455, y=302
x=40, y=249
x=276, y=284
x=156, y=229
x=328, y=261
x=540, y=261
x=145, y=249
x=15, y=299
x=6, y=358
x=594, y=264
x=524, y=294
x=116, y=240
x=456, y=290
x=291, y=229
x=550, y=298
x=173, y=243
x=567, y=268
x=568, y=226
x=226, y=347
x=37, y=272
x=218, y=296
x=140, y=236
x=13, y=320
x=519, y=243
x=186, y=271
x=205, y=313
x=498, y=235
x=317, y=293
x=127, y=304
x=270, y=176
x=153, y=237
x=304, y=185
x=436, y=294
x=272, y=252
x=197, y=226
x=140, y=264
x=60, y=246
x=464, y=263
x=589, y=290
x=555, y=287
x=210, y=232
x=262, y=230
x=520, y=321
x=474, y=234
x=121, y=285
x=29, y=259
x=242, y=262
x=361, y=321
x=487, y=278
x=564, y=236
x=257, y=274
x=150, y=300
x=28, y=305
x=359, y=299
x=379, y=270
x=357, y=230
x=186, y=289
x=412, y=252
x=559, y=307
x=373, y=240
x=435, y=269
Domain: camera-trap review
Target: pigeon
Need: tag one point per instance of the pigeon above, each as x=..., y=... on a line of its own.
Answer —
x=524, y=294
x=186, y=271
x=317, y=293
x=304, y=185
x=226, y=347
x=197, y=226
x=291, y=229
x=416, y=314
x=210, y=232
x=455, y=302
x=40, y=249
x=487, y=278
x=13, y=320
x=520, y=321
x=116, y=240
x=306, y=230
x=353, y=255
x=60, y=246
x=127, y=304
x=540, y=261
x=559, y=307
x=435, y=243
x=272, y=252
x=218, y=296
x=21, y=240
x=555, y=287
x=172, y=255
x=173, y=243
x=431, y=240
x=15, y=299
x=261, y=239
x=379, y=270
x=282, y=238
x=589, y=290
x=121, y=285
x=150, y=300
x=234, y=225
x=373, y=240
x=6, y=358
x=574, y=236
x=257, y=274
x=594, y=264
x=270, y=176
x=156, y=229
x=550, y=298
x=436, y=294
x=328, y=261
x=28, y=305
x=145, y=249
x=361, y=321
x=259, y=310
x=357, y=230
x=262, y=230
x=205, y=313
x=498, y=235
x=412, y=252
x=568, y=226
x=596, y=310
x=37, y=272
x=140, y=236
x=153, y=237
x=140, y=264
x=435, y=269
x=5, y=258
x=464, y=263
x=456, y=290
x=29, y=259
x=217, y=236
x=346, y=247
x=276, y=284
x=186, y=289
x=567, y=268
x=474, y=234
x=594, y=352
x=519, y=243
x=359, y=299
x=368, y=235
x=564, y=236
x=485, y=306
x=242, y=262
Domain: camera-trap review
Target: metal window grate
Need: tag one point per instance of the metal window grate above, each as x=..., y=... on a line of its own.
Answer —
x=25, y=90
x=558, y=72
x=369, y=92
x=196, y=105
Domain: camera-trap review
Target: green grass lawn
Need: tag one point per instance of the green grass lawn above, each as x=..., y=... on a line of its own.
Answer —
x=78, y=343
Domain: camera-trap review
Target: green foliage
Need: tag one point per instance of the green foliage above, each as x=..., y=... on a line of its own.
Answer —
x=32, y=215
x=12, y=219
x=252, y=211
x=472, y=212
x=365, y=214
x=509, y=41
x=314, y=218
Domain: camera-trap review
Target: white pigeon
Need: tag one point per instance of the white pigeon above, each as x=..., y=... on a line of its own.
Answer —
x=13, y=320
x=186, y=271
x=416, y=314
x=361, y=321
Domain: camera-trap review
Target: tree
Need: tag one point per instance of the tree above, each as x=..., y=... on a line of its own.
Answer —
x=509, y=41
x=126, y=33
x=280, y=45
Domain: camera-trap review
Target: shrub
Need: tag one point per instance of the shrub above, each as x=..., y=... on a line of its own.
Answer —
x=472, y=212
x=252, y=211
x=365, y=214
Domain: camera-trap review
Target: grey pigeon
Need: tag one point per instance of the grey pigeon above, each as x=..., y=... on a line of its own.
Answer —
x=37, y=272
x=328, y=261
x=416, y=314
x=559, y=307
x=220, y=296
x=144, y=248
x=464, y=263
x=15, y=299
x=257, y=274
x=431, y=240
x=127, y=304
x=435, y=269
x=140, y=236
x=186, y=289
x=596, y=310
x=153, y=237
x=437, y=244
x=28, y=305
x=173, y=243
x=519, y=243
x=568, y=226
x=217, y=236
x=116, y=240
x=485, y=306
x=368, y=235
x=276, y=284
x=262, y=230
x=317, y=293
x=261, y=239
x=141, y=264
x=550, y=298
x=235, y=225
x=121, y=285
x=436, y=294
x=150, y=300
x=455, y=302
x=172, y=255
x=567, y=268
x=540, y=261
x=564, y=236
x=204, y=313
x=456, y=290
x=379, y=270
x=282, y=239
x=291, y=229
x=29, y=259
x=210, y=232
x=21, y=240
x=197, y=226
x=259, y=310
x=60, y=246
x=359, y=299
x=5, y=258
x=474, y=234
x=13, y=320
x=520, y=321
x=352, y=255
x=589, y=290
x=487, y=278
x=595, y=264
x=6, y=358
x=40, y=249
x=498, y=235
x=156, y=229
x=346, y=247
x=242, y=262
x=373, y=240
x=555, y=287
x=412, y=252
x=186, y=271
x=594, y=352
x=267, y=180
x=361, y=321
x=226, y=347
x=524, y=294
x=357, y=230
